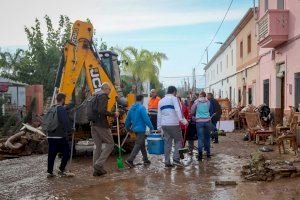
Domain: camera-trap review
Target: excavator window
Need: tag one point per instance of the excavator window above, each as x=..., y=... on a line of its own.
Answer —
x=106, y=61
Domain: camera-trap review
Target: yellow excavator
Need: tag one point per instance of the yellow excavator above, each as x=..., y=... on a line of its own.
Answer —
x=81, y=72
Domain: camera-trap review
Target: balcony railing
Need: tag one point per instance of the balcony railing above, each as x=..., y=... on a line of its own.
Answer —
x=273, y=28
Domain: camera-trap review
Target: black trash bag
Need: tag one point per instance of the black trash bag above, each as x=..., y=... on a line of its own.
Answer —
x=246, y=137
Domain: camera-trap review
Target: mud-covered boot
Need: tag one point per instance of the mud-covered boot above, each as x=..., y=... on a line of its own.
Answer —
x=99, y=171
x=200, y=156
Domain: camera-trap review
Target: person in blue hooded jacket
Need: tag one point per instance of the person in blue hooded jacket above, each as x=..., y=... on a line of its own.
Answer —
x=136, y=121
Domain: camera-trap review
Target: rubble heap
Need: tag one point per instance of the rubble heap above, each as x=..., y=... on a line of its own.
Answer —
x=260, y=169
x=28, y=141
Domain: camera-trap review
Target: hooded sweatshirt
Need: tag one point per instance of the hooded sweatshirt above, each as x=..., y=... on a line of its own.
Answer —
x=137, y=119
x=201, y=109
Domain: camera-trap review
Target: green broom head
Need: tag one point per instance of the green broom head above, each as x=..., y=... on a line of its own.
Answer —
x=120, y=163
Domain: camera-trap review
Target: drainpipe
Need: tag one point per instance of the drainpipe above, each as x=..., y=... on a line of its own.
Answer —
x=286, y=84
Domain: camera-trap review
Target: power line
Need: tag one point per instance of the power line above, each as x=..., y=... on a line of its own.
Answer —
x=181, y=76
x=206, y=49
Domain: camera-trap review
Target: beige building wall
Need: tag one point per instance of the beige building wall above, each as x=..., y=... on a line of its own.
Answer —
x=247, y=58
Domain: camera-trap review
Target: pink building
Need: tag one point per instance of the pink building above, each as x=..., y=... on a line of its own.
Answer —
x=278, y=74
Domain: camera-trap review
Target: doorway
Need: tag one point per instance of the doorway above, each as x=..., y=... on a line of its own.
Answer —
x=282, y=96
x=297, y=90
x=244, y=95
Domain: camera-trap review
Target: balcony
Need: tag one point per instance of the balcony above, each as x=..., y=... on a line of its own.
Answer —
x=273, y=28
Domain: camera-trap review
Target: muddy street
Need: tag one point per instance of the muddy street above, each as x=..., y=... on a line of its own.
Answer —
x=25, y=178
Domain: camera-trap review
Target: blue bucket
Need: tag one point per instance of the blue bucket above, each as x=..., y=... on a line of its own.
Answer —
x=155, y=144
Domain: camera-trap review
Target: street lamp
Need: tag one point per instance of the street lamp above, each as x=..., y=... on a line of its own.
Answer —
x=219, y=43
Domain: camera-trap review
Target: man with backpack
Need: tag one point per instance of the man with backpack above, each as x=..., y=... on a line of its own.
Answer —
x=57, y=125
x=136, y=121
x=201, y=111
x=215, y=113
x=101, y=133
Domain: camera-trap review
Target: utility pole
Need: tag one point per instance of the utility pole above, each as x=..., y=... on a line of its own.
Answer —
x=194, y=80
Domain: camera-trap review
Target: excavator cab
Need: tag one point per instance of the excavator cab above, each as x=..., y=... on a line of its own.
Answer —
x=109, y=61
x=111, y=65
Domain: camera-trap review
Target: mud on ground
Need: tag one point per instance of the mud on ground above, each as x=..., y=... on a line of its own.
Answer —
x=25, y=178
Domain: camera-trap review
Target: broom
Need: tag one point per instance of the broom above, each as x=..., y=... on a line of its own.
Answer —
x=120, y=163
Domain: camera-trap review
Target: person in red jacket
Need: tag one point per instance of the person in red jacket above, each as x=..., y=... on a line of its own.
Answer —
x=186, y=115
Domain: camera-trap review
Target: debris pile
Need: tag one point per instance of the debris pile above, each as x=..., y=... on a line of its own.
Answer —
x=260, y=169
x=28, y=141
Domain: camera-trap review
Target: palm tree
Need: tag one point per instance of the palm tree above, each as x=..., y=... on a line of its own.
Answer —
x=142, y=65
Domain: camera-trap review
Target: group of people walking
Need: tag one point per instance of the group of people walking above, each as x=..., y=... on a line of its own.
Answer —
x=177, y=120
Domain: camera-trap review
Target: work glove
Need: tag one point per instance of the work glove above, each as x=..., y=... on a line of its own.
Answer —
x=159, y=129
x=184, y=122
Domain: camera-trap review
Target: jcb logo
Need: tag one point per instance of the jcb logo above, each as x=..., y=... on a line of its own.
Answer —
x=95, y=76
x=74, y=36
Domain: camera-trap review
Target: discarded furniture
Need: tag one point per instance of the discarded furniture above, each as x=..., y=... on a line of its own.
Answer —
x=234, y=115
x=255, y=129
x=226, y=125
x=289, y=135
x=281, y=128
x=226, y=108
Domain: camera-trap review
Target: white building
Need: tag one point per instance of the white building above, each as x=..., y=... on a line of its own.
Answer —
x=15, y=96
x=220, y=72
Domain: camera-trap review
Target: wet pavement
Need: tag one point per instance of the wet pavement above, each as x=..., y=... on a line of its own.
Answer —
x=25, y=178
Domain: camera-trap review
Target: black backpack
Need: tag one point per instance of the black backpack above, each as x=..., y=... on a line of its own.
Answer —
x=92, y=108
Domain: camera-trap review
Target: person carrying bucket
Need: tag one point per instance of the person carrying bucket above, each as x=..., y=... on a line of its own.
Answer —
x=168, y=117
x=137, y=119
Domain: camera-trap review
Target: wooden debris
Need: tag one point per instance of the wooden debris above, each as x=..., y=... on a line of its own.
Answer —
x=260, y=169
x=28, y=141
x=225, y=183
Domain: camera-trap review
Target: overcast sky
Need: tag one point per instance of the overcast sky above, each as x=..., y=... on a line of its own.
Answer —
x=180, y=28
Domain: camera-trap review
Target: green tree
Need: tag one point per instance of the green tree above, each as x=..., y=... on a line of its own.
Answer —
x=38, y=64
x=142, y=65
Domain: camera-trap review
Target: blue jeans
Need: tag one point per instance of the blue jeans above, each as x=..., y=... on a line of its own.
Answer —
x=203, y=132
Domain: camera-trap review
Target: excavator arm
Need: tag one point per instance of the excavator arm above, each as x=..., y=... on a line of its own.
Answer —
x=81, y=57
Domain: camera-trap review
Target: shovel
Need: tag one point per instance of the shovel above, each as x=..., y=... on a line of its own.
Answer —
x=120, y=163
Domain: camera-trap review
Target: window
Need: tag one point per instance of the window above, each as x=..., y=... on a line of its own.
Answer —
x=280, y=4
x=297, y=90
x=239, y=96
x=234, y=95
x=230, y=94
x=249, y=95
x=207, y=77
x=266, y=91
x=266, y=5
x=241, y=49
x=249, y=43
x=221, y=66
x=232, y=58
x=227, y=61
x=220, y=94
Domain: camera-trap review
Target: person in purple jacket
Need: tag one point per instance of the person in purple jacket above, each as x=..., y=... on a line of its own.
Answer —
x=201, y=111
